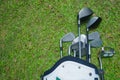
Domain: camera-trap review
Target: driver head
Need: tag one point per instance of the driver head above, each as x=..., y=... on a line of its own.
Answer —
x=85, y=13
x=94, y=22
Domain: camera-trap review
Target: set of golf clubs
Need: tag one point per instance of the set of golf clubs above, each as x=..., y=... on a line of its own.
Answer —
x=82, y=41
x=82, y=44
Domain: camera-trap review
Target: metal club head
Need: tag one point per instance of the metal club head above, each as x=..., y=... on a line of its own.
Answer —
x=94, y=35
x=85, y=13
x=75, y=47
x=83, y=39
x=107, y=52
x=68, y=37
x=94, y=22
x=96, y=43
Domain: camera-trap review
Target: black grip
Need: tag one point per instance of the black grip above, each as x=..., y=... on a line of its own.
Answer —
x=101, y=73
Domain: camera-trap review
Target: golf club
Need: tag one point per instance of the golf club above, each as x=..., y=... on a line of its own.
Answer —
x=92, y=23
x=106, y=52
x=84, y=14
x=66, y=38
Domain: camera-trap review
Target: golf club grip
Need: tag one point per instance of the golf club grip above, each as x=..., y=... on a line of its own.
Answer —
x=101, y=72
x=102, y=77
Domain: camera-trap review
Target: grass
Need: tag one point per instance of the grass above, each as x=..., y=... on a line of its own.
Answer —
x=30, y=31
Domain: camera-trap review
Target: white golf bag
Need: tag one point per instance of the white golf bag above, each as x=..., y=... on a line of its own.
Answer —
x=71, y=68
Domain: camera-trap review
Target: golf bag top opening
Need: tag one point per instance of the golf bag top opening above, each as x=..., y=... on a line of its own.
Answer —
x=68, y=60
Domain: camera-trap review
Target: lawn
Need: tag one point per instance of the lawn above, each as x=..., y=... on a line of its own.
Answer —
x=30, y=31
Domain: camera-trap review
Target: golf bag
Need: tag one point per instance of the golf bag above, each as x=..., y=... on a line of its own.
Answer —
x=71, y=68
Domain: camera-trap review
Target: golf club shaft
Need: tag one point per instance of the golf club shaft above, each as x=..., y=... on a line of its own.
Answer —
x=88, y=46
x=101, y=72
x=61, y=49
x=100, y=62
x=79, y=38
x=60, y=54
x=89, y=53
x=69, y=51
x=74, y=53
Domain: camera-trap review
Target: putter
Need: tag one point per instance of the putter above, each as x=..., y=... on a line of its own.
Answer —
x=93, y=23
x=67, y=38
x=106, y=52
x=84, y=14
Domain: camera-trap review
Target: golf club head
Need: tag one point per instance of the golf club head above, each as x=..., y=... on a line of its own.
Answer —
x=75, y=47
x=83, y=39
x=68, y=37
x=94, y=35
x=85, y=13
x=93, y=22
x=107, y=52
x=96, y=43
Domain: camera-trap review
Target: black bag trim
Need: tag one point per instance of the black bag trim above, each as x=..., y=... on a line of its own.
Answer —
x=70, y=58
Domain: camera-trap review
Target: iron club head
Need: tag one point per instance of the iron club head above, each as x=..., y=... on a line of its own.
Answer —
x=96, y=43
x=67, y=38
x=93, y=36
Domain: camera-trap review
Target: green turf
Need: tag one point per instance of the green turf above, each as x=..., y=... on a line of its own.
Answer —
x=30, y=31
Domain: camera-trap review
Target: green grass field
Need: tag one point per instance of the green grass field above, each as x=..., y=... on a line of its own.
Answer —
x=30, y=31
